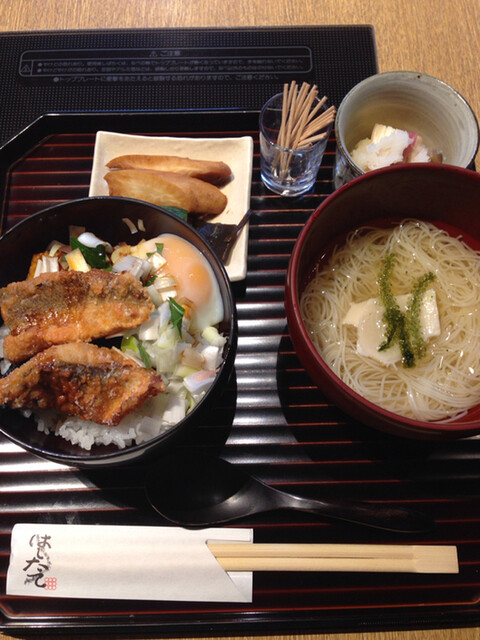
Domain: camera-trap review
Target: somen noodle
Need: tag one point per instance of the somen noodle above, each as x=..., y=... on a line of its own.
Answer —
x=446, y=381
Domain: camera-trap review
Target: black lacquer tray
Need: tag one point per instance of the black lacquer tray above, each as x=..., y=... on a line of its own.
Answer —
x=273, y=421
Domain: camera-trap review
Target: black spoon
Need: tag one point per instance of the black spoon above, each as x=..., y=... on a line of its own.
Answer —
x=194, y=490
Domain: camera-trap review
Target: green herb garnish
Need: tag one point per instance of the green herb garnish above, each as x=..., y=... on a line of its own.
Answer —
x=144, y=355
x=158, y=250
x=176, y=314
x=133, y=344
x=403, y=328
x=95, y=257
x=181, y=213
x=151, y=280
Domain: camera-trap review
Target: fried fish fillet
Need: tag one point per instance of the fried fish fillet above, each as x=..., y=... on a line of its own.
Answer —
x=70, y=306
x=83, y=380
x=213, y=171
x=167, y=189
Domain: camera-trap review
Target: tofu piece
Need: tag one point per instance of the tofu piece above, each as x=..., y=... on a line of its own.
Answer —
x=367, y=318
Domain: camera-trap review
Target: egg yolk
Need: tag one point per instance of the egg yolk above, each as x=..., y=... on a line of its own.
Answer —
x=185, y=263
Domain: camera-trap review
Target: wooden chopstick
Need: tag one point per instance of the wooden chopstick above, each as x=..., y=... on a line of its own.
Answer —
x=336, y=557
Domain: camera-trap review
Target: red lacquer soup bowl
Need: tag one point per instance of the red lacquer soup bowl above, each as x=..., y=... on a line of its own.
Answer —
x=444, y=195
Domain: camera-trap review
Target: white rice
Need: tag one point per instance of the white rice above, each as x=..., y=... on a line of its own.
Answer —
x=137, y=427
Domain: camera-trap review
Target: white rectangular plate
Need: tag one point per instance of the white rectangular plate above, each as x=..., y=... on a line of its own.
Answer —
x=236, y=152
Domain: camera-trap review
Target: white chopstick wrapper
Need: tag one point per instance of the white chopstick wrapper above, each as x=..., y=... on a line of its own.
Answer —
x=124, y=562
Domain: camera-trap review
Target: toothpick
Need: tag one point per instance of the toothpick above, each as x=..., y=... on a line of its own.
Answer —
x=300, y=125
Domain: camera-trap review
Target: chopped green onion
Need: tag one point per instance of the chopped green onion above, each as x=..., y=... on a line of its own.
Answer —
x=95, y=257
x=129, y=342
x=131, y=225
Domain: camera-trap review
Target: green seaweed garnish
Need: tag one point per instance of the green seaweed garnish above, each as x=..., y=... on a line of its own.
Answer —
x=401, y=327
x=392, y=316
x=412, y=318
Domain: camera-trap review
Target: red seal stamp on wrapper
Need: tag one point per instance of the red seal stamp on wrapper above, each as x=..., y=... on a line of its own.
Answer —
x=50, y=583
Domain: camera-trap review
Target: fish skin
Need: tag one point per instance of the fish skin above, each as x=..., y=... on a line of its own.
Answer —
x=70, y=306
x=83, y=380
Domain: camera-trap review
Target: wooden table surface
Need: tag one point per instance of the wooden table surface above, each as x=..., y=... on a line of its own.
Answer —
x=438, y=37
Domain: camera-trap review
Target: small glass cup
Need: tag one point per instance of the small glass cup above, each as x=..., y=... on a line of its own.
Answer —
x=288, y=172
